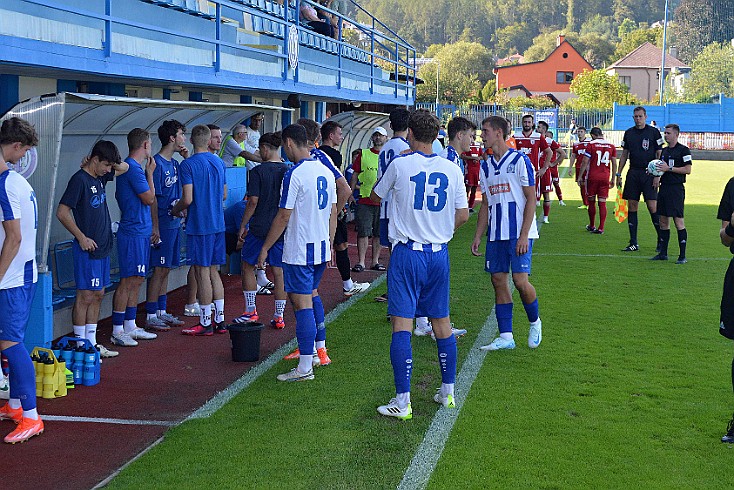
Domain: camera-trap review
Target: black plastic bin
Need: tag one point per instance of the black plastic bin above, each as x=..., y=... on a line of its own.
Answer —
x=245, y=341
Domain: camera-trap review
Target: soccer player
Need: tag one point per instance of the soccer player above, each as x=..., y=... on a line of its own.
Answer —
x=508, y=187
x=599, y=154
x=166, y=254
x=559, y=154
x=307, y=214
x=472, y=162
x=531, y=143
x=671, y=194
x=83, y=212
x=204, y=190
x=18, y=276
x=429, y=203
x=263, y=195
x=461, y=135
x=641, y=144
x=577, y=158
x=394, y=147
x=135, y=193
x=331, y=139
x=726, y=319
x=365, y=167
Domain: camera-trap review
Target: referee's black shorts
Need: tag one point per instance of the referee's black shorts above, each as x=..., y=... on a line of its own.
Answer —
x=637, y=182
x=670, y=200
x=726, y=326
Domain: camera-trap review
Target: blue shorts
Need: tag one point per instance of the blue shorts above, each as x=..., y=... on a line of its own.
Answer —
x=90, y=274
x=167, y=254
x=253, y=246
x=384, y=240
x=134, y=253
x=302, y=279
x=500, y=255
x=418, y=282
x=206, y=250
x=15, y=303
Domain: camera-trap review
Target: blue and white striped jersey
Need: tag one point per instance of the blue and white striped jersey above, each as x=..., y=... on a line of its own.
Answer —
x=18, y=201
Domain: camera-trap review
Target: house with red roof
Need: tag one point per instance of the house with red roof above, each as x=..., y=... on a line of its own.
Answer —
x=550, y=77
x=640, y=71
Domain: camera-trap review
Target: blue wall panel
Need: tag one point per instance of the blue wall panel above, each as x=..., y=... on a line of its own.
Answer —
x=693, y=118
x=8, y=92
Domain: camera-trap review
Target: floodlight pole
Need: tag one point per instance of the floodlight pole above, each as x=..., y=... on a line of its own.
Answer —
x=662, y=64
x=438, y=75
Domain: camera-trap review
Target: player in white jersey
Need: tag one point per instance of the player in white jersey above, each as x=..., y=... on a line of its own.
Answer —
x=507, y=182
x=461, y=135
x=18, y=276
x=394, y=147
x=428, y=198
x=308, y=208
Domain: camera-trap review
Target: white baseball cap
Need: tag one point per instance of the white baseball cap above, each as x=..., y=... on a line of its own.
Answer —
x=381, y=130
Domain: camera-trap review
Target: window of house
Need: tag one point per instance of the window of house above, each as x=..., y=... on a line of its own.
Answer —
x=626, y=81
x=564, y=76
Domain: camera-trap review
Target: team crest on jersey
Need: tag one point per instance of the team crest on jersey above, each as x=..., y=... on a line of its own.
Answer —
x=646, y=144
x=511, y=167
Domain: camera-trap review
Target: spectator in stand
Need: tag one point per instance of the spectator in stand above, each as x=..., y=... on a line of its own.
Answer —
x=368, y=212
x=311, y=17
x=329, y=17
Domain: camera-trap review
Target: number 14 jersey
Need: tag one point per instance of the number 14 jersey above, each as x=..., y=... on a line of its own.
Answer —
x=600, y=153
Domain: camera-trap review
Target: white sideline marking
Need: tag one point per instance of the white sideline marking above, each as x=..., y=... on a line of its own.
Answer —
x=101, y=420
x=628, y=255
x=426, y=456
x=253, y=374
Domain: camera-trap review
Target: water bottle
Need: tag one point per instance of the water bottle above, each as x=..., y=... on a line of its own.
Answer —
x=77, y=366
x=68, y=354
x=89, y=369
x=48, y=378
x=56, y=349
x=38, y=366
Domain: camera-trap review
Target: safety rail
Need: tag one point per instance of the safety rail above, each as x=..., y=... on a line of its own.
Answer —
x=272, y=22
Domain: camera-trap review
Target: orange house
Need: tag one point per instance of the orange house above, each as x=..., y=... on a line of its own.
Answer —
x=551, y=77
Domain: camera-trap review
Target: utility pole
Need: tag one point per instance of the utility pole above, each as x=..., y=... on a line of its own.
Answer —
x=662, y=64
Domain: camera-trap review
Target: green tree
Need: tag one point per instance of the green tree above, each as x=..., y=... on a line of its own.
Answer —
x=514, y=38
x=597, y=90
x=464, y=68
x=712, y=72
x=626, y=27
x=633, y=40
x=699, y=23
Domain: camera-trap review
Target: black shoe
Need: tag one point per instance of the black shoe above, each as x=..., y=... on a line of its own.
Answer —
x=590, y=228
x=659, y=257
x=632, y=247
x=221, y=327
x=597, y=231
x=729, y=436
x=657, y=249
x=681, y=260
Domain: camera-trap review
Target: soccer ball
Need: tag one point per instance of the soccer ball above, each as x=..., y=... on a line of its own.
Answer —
x=652, y=168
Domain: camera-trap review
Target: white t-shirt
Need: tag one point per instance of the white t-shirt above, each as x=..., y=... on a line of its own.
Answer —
x=502, y=185
x=392, y=148
x=18, y=201
x=252, y=144
x=426, y=191
x=309, y=189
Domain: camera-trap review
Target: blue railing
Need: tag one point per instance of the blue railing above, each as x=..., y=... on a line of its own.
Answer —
x=379, y=46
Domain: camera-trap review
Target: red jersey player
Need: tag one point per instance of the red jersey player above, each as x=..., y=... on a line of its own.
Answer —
x=577, y=158
x=599, y=154
x=472, y=162
x=536, y=148
x=559, y=155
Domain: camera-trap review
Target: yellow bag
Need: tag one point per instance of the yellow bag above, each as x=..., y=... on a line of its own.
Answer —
x=620, y=207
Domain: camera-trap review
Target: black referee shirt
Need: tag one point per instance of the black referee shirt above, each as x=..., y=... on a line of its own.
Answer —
x=676, y=156
x=642, y=145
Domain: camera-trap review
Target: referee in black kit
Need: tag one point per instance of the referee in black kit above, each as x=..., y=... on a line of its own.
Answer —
x=726, y=325
x=671, y=193
x=642, y=143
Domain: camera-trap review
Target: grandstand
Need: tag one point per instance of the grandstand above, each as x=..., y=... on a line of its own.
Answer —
x=83, y=71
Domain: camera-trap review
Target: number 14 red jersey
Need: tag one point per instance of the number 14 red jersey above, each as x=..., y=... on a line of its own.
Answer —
x=600, y=153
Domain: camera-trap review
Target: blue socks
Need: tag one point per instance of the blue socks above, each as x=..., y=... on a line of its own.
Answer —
x=401, y=357
x=22, y=376
x=503, y=313
x=532, y=310
x=305, y=330
x=151, y=307
x=447, y=358
x=162, y=302
x=131, y=312
x=318, y=314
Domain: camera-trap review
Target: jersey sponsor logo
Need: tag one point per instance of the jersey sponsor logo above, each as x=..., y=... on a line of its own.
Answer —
x=97, y=200
x=170, y=181
x=646, y=144
x=499, y=188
